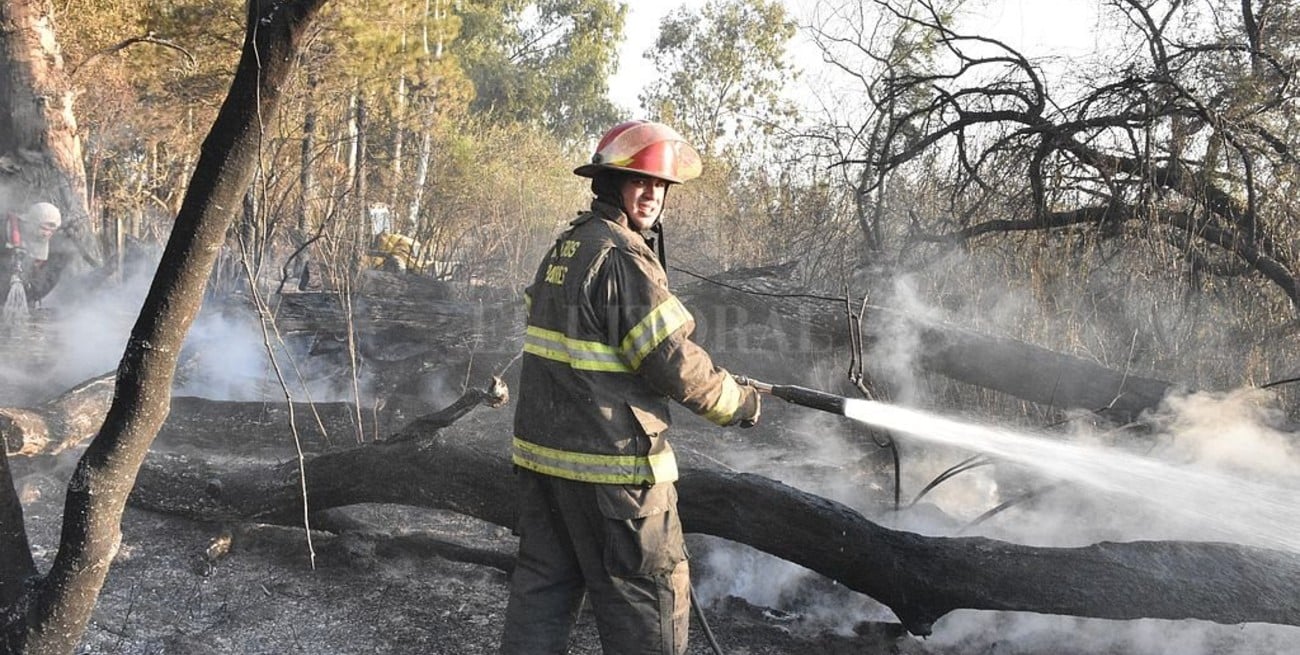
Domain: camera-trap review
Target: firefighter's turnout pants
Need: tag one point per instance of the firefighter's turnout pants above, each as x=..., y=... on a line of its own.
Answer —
x=621, y=544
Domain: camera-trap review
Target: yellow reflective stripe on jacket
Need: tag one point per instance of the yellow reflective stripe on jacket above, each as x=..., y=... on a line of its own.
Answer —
x=661, y=322
x=724, y=411
x=600, y=469
x=578, y=354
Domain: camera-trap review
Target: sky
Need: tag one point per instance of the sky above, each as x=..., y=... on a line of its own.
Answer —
x=1037, y=27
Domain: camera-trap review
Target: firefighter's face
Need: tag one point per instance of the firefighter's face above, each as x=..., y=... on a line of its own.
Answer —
x=643, y=199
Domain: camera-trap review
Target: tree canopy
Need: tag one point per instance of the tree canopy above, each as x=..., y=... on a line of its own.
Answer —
x=545, y=62
x=721, y=70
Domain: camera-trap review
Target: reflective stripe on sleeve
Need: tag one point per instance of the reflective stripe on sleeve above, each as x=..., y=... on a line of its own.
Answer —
x=724, y=411
x=658, y=325
x=600, y=469
x=578, y=354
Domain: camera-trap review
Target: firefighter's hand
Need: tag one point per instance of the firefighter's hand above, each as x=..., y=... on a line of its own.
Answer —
x=751, y=406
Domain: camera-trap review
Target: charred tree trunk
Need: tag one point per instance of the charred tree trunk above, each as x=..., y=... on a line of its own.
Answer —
x=59, y=424
x=920, y=578
x=50, y=616
x=15, y=551
x=40, y=152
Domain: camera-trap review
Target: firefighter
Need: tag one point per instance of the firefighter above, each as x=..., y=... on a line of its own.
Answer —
x=607, y=346
x=27, y=245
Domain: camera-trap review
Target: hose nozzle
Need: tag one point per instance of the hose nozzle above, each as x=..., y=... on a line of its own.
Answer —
x=746, y=381
x=790, y=393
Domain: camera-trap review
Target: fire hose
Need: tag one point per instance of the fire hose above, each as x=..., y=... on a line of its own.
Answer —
x=825, y=402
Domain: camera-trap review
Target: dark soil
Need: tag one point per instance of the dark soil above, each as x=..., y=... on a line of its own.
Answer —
x=365, y=594
x=395, y=584
x=399, y=580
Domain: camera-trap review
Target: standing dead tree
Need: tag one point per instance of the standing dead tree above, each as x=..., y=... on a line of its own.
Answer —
x=47, y=614
x=39, y=147
x=1184, y=139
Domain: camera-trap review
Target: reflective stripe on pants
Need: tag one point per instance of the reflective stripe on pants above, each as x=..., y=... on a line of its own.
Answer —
x=634, y=571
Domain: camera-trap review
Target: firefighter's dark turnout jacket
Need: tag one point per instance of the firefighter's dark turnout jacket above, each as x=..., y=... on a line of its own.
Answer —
x=607, y=345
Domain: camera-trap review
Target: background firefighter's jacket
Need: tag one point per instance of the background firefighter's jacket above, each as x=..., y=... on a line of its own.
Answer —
x=394, y=252
x=607, y=345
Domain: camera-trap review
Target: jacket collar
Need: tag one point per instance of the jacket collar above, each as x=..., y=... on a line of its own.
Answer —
x=600, y=209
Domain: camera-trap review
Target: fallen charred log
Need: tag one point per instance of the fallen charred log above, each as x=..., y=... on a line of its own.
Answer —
x=920, y=578
x=58, y=424
x=727, y=309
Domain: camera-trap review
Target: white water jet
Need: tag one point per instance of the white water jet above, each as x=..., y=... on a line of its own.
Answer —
x=1233, y=509
x=15, y=311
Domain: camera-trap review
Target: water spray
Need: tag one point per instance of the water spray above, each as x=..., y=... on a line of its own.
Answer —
x=1230, y=507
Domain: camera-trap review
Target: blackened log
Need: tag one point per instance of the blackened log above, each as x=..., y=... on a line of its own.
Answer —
x=59, y=424
x=920, y=578
x=727, y=309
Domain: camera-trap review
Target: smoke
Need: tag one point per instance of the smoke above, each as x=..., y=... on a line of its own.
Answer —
x=13, y=198
x=893, y=357
x=1236, y=441
x=83, y=326
x=1235, y=431
x=88, y=330
x=1005, y=633
x=227, y=360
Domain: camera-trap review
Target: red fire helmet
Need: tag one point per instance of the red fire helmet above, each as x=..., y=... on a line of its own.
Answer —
x=646, y=148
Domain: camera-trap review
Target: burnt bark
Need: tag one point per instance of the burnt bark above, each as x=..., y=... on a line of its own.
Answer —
x=51, y=617
x=920, y=578
x=40, y=152
x=59, y=424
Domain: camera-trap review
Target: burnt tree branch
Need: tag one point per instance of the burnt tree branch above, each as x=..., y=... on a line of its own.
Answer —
x=1007, y=365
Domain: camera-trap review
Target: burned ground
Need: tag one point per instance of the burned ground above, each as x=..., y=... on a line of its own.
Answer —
x=390, y=584
x=377, y=589
x=398, y=579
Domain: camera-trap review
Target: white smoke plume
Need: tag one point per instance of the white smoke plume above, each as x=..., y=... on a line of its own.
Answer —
x=1236, y=441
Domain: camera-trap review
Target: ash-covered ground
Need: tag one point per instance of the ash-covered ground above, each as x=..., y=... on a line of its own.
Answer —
x=377, y=590
x=383, y=590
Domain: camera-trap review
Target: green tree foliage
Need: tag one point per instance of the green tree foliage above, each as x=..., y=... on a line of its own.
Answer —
x=384, y=45
x=151, y=74
x=722, y=70
x=505, y=191
x=543, y=62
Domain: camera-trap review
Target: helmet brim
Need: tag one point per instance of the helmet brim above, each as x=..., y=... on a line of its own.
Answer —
x=590, y=170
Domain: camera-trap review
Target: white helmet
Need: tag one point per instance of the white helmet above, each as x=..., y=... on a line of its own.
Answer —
x=43, y=214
